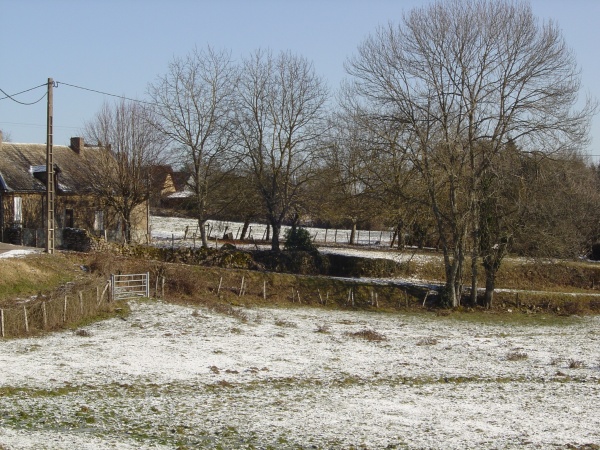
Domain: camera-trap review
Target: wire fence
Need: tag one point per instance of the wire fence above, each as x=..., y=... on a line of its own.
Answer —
x=178, y=230
x=44, y=315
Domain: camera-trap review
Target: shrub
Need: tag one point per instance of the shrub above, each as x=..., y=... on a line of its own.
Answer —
x=298, y=239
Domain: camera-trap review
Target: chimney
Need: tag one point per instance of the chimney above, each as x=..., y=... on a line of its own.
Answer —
x=77, y=144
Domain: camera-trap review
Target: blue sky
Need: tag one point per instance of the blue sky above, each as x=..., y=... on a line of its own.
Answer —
x=119, y=46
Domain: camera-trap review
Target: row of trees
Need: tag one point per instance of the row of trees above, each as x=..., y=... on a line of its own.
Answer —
x=458, y=123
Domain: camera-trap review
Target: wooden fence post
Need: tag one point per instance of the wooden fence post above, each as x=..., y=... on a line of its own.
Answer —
x=162, y=287
x=265, y=290
x=26, y=321
x=103, y=292
x=44, y=315
x=241, y=287
x=2, y=322
x=65, y=310
x=80, y=293
x=219, y=288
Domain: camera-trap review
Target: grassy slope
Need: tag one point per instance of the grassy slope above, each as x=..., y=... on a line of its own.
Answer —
x=31, y=275
x=36, y=274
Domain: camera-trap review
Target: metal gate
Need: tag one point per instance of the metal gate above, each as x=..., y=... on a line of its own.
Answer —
x=130, y=286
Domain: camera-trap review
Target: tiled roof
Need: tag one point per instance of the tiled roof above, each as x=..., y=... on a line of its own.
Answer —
x=22, y=164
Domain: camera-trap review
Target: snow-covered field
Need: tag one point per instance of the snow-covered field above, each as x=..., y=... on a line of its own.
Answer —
x=170, y=231
x=171, y=377
x=167, y=228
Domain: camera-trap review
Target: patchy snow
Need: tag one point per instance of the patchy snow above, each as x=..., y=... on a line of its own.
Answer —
x=174, y=228
x=171, y=376
x=18, y=253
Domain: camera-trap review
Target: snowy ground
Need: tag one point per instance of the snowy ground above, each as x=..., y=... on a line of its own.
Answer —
x=167, y=228
x=170, y=377
x=18, y=253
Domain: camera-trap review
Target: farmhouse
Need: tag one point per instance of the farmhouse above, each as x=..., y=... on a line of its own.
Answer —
x=23, y=194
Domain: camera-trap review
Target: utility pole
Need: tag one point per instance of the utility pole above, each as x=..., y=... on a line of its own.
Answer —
x=50, y=194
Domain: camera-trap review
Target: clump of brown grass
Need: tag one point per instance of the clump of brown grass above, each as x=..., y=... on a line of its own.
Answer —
x=83, y=333
x=427, y=341
x=576, y=364
x=284, y=323
x=323, y=328
x=368, y=335
x=516, y=356
x=229, y=310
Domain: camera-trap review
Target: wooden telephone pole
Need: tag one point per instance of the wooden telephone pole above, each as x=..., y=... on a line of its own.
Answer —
x=50, y=185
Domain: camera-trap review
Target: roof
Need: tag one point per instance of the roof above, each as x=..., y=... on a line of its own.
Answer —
x=180, y=180
x=23, y=167
x=159, y=174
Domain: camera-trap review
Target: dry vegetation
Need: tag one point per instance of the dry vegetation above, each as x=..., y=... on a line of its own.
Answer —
x=46, y=280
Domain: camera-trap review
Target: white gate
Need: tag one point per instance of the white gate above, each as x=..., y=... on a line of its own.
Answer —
x=130, y=286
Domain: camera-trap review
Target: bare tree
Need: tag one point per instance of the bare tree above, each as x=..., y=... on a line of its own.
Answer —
x=6, y=137
x=458, y=73
x=280, y=117
x=125, y=128
x=194, y=106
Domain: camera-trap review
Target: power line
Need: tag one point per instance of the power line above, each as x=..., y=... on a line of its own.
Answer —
x=37, y=125
x=11, y=97
x=103, y=93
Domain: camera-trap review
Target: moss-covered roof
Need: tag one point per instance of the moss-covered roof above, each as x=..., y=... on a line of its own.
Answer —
x=23, y=167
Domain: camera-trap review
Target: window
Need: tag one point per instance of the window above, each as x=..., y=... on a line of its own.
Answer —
x=69, y=218
x=99, y=221
x=18, y=206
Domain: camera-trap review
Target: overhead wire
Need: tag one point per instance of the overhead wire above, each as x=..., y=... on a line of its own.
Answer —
x=11, y=97
x=103, y=93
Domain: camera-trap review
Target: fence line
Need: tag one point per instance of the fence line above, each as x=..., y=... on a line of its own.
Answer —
x=218, y=229
x=50, y=314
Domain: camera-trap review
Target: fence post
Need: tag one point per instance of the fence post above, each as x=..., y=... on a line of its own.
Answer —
x=80, y=293
x=241, y=287
x=2, y=322
x=26, y=321
x=103, y=292
x=264, y=289
x=147, y=284
x=65, y=310
x=219, y=288
x=111, y=294
x=162, y=288
x=44, y=315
